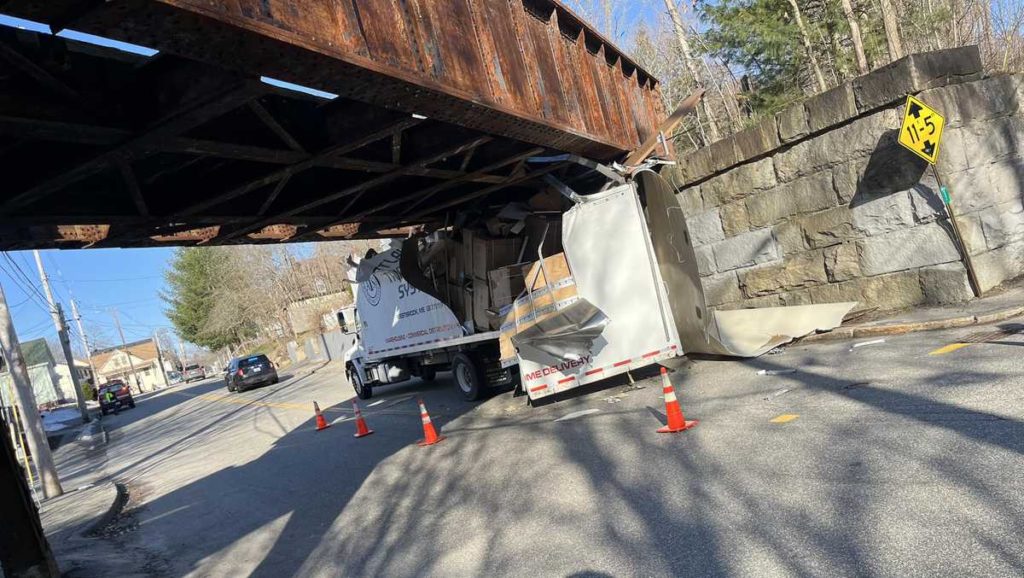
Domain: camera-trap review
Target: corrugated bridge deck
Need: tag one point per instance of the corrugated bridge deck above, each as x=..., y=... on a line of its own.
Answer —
x=434, y=105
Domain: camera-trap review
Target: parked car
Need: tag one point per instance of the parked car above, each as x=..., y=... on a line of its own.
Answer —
x=194, y=373
x=122, y=394
x=173, y=377
x=247, y=372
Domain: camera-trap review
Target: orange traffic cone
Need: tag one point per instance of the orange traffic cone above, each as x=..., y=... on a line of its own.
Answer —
x=676, y=421
x=361, y=429
x=321, y=423
x=430, y=436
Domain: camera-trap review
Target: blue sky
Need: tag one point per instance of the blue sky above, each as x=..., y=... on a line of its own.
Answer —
x=99, y=280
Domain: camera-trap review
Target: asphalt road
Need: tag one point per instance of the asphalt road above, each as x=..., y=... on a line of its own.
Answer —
x=880, y=460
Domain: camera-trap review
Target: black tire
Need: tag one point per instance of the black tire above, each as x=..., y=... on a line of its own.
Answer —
x=103, y=411
x=131, y=404
x=428, y=373
x=468, y=376
x=230, y=387
x=362, y=391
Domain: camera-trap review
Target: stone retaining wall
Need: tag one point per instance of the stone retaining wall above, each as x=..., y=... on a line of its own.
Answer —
x=820, y=203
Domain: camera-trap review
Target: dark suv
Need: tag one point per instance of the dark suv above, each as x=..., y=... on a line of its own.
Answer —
x=122, y=394
x=247, y=372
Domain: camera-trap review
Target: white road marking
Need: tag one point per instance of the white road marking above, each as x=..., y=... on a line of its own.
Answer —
x=863, y=343
x=577, y=414
x=377, y=403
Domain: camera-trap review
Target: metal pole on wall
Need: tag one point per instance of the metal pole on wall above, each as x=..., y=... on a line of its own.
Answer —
x=25, y=401
x=65, y=341
x=972, y=276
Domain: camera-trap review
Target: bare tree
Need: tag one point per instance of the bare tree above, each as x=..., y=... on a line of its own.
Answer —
x=855, y=36
x=691, y=64
x=892, y=31
x=806, y=39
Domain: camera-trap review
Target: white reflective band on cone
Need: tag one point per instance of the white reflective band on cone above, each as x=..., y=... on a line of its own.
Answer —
x=670, y=397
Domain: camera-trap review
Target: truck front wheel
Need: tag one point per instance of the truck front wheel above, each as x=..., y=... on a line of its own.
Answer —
x=468, y=377
x=362, y=391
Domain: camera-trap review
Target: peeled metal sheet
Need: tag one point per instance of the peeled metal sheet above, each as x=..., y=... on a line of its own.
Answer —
x=751, y=332
x=568, y=334
x=740, y=332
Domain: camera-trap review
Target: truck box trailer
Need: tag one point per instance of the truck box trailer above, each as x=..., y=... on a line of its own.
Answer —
x=623, y=293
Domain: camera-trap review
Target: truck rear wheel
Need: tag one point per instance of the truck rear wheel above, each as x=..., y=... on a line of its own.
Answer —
x=362, y=390
x=468, y=376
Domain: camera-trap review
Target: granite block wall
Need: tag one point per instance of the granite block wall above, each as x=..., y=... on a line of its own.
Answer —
x=821, y=204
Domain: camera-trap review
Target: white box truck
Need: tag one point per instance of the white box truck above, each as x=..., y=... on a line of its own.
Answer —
x=637, y=301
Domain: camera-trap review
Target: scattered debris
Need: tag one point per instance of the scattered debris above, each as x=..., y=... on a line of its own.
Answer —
x=775, y=371
x=863, y=343
x=849, y=386
x=776, y=351
x=577, y=414
x=771, y=396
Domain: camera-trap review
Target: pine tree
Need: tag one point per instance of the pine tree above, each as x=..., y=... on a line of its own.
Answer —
x=192, y=280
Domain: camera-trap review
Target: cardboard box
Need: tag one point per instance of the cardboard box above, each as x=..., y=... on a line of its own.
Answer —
x=490, y=253
x=468, y=238
x=481, y=302
x=556, y=266
x=456, y=262
x=506, y=284
x=541, y=302
x=456, y=301
x=534, y=235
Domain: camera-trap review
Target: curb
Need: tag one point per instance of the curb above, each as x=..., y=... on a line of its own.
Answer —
x=854, y=332
x=109, y=514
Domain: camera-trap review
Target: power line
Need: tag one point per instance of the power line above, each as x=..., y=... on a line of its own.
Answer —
x=18, y=280
x=113, y=279
x=30, y=290
x=29, y=279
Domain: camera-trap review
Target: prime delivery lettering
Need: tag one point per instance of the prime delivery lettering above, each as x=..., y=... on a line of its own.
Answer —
x=560, y=368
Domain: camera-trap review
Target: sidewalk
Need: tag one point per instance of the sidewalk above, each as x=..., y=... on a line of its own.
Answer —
x=72, y=520
x=1001, y=304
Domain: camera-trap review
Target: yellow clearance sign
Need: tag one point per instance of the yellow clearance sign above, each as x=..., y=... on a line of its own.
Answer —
x=921, y=130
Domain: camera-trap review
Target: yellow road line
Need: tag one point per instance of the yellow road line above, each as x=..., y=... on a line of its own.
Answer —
x=949, y=348
x=786, y=417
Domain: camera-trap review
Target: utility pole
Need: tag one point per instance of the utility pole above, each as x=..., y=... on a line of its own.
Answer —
x=85, y=342
x=181, y=349
x=65, y=342
x=124, y=349
x=159, y=359
x=25, y=400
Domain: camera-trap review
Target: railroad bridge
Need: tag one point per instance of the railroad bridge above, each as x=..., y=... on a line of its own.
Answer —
x=420, y=108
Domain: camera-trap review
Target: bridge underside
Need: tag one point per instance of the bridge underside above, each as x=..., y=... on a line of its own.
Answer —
x=101, y=147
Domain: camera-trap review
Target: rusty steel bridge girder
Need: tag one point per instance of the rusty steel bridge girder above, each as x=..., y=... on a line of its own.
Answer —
x=439, y=105
x=529, y=70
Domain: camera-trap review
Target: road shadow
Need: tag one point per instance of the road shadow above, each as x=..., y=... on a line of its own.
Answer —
x=520, y=496
x=232, y=506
